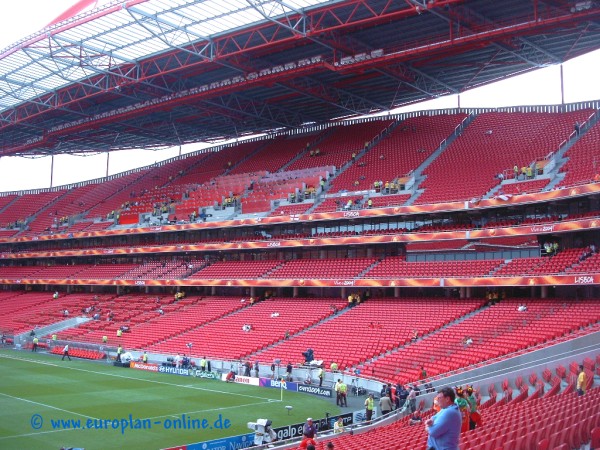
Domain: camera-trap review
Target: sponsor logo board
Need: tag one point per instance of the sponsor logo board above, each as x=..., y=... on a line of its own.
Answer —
x=315, y=390
x=278, y=384
x=209, y=375
x=252, y=381
x=174, y=370
x=143, y=366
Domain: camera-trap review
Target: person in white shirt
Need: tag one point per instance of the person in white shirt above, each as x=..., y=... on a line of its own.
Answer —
x=66, y=353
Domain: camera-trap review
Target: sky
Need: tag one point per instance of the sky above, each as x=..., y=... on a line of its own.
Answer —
x=24, y=17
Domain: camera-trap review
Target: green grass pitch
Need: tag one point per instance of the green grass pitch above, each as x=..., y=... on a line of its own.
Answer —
x=37, y=389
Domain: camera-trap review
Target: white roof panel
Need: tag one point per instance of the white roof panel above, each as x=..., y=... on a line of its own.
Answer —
x=76, y=48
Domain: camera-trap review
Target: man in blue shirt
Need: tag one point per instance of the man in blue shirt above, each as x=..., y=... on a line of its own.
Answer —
x=444, y=427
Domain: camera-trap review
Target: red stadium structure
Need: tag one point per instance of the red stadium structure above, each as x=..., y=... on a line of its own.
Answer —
x=438, y=226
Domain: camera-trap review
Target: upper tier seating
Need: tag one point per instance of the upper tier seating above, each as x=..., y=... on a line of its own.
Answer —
x=399, y=152
x=515, y=138
x=27, y=205
x=523, y=187
x=583, y=160
x=336, y=204
x=212, y=164
x=273, y=156
x=336, y=149
x=385, y=201
x=291, y=209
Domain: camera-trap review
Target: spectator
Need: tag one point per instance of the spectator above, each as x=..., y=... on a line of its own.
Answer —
x=415, y=418
x=369, y=405
x=463, y=408
x=309, y=430
x=412, y=399
x=581, y=381
x=444, y=427
x=385, y=404
x=338, y=426
x=475, y=417
x=66, y=353
x=401, y=396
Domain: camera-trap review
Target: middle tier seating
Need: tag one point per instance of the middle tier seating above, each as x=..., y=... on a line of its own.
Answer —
x=397, y=267
x=225, y=270
x=323, y=268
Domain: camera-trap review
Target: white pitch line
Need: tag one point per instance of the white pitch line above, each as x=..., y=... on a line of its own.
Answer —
x=16, y=436
x=134, y=378
x=48, y=406
x=225, y=408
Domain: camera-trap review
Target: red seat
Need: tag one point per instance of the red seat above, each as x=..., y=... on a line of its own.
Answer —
x=595, y=444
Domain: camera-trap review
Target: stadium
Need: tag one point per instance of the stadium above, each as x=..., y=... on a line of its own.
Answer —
x=315, y=238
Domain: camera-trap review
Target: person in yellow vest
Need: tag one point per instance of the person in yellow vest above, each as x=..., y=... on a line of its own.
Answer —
x=119, y=352
x=369, y=405
x=145, y=357
x=353, y=156
x=203, y=364
x=369, y=203
x=581, y=381
x=529, y=172
x=338, y=426
x=54, y=337
x=119, y=332
x=321, y=375
x=343, y=388
x=35, y=344
x=333, y=367
x=516, y=171
x=336, y=389
x=104, y=339
x=350, y=300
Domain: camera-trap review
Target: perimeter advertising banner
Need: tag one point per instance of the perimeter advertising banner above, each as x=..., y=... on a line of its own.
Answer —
x=315, y=390
x=252, y=381
x=277, y=384
x=234, y=442
x=143, y=366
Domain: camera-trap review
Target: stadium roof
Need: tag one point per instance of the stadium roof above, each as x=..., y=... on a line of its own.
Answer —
x=156, y=73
